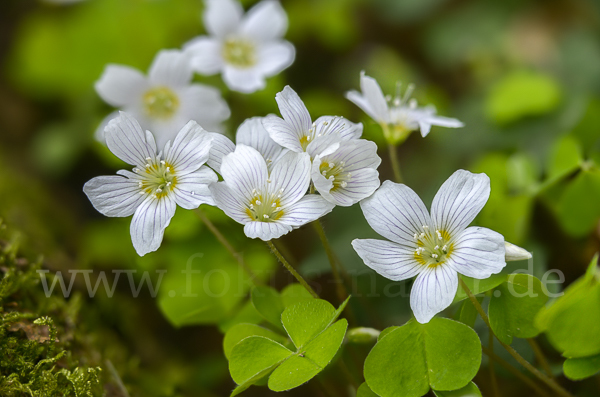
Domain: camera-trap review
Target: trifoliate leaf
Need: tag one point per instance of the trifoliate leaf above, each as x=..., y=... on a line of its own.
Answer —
x=239, y=332
x=572, y=322
x=268, y=303
x=442, y=354
x=513, y=307
x=578, y=209
x=581, y=368
x=295, y=293
x=566, y=157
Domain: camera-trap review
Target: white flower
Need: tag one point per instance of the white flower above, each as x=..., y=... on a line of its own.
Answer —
x=158, y=183
x=269, y=205
x=434, y=248
x=244, y=48
x=252, y=133
x=402, y=116
x=165, y=100
x=296, y=131
x=515, y=253
x=346, y=172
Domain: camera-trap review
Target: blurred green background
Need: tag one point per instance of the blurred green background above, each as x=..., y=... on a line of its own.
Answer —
x=523, y=75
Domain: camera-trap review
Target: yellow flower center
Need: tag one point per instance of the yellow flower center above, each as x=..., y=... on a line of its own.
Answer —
x=160, y=103
x=239, y=52
x=265, y=207
x=335, y=173
x=433, y=247
x=158, y=178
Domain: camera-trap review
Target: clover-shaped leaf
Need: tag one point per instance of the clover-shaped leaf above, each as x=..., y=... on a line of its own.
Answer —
x=408, y=360
x=316, y=336
x=479, y=286
x=470, y=390
x=581, y=368
x=513, y=307
x=572, y=322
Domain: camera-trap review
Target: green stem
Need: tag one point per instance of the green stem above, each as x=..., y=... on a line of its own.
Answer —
x=514, y=371
x=539, y=355
x=340, y=287
x=117, y=378
x=552, y=384
x=493, y=379
x=225, y=243
x=291, y=269
x=393, y=152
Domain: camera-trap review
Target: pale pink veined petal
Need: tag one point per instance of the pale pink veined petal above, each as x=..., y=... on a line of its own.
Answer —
x=114, y=195
x=282, y=133
x=433, y=291
x=293, y=110
x=126, y=139
x=192, y=189
x=149, y=223
x=389, y=259
x=204, y=105
x=478, y=252
x=252, y=133
x=459, y=200
x=396, y=212
x=274, y=57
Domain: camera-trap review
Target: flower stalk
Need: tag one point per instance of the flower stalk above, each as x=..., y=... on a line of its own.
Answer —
x=289, y=267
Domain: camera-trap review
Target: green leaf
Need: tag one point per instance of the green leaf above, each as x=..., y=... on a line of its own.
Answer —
x=578, y=209
x=565, y=158
x=479, y=286
x=295, y=293
x=255, y=355
x=365, y=391
x=513, y=307
x=386, y=331
x=268, y=303
x=520, y=94
x=442, y=354
x=470, y=390
x=306, y=320
x=581, y=368
x=468, y=313
x=311, y=325
x=313, y=358
x=572, y=322
x=239, y=332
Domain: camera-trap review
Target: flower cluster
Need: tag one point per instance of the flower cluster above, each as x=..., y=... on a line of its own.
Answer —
x=283, y=172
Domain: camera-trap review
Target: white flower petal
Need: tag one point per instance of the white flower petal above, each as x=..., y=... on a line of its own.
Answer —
x=433, y=291
x=515, y=253
x=396, y=213
x=113, y=195
x=171, y=68
x=246, y=80
x=99, y=135
x=478, y=252
x=307, y=209
x=149, y=223
x=338, y=125
x=252, y=133
x=293, y=110
x=230, y=202
x=126, y=139
x=244, y=170
x=204, y=105
x=275, y=57
x=357, y=154
x=192, y=189
x=323, y=145
x=221, y=146
x=282, y=133
x=359, y=100
x=389, y=259
x=121, y=85
x=222, y=17
x=291, y=176
x=265, y=21
x=266, y=230
x=190, y=150
x=459, y=200
x=373, y=101
x=205, y=54
x=363, y=183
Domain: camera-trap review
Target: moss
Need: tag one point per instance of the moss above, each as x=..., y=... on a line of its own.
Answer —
x=35, y=339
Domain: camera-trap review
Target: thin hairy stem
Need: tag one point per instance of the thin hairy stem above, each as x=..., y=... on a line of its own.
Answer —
x=289, y=267
x=541, y=358
x=552, y=384
x=225, y=243
x=514, y=371
x=393, y=151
